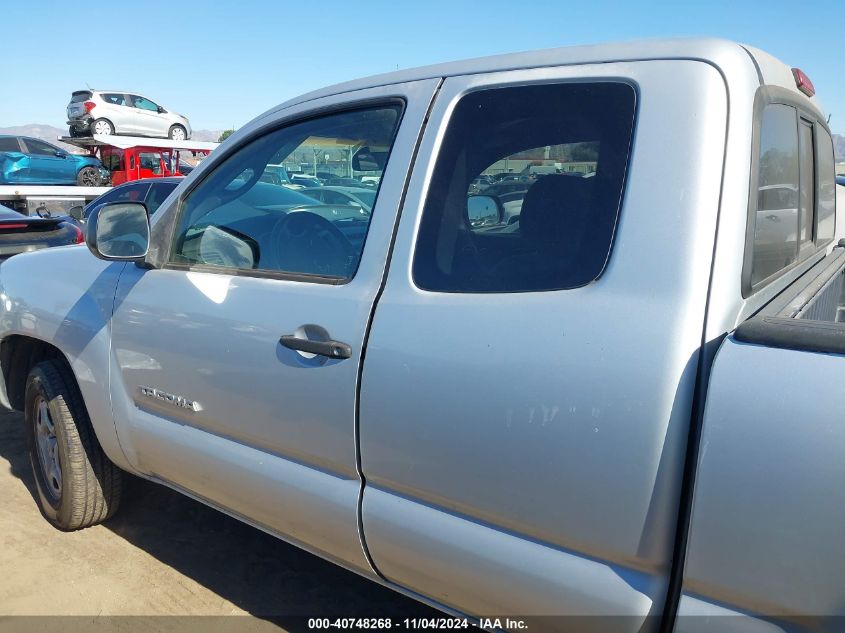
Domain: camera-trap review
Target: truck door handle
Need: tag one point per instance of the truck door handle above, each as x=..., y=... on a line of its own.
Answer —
x=332, y=349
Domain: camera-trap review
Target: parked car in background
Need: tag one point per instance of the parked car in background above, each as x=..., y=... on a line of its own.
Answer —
x=504, y=176
x=31, y=161
x=355, y=196
x=277, y=175
x=840, y=180
x=25, y=233
x=110, y=112
x=506, y=186
x=351, y=182
x=305, y=181
x=480, y=183
x=150, y=191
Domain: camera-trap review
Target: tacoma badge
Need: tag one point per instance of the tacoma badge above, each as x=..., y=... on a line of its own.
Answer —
x=170, y=398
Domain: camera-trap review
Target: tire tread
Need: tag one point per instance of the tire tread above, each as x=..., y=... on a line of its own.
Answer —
x=96, y=483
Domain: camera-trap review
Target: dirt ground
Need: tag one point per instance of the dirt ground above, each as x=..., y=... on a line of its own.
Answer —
x=161, y=555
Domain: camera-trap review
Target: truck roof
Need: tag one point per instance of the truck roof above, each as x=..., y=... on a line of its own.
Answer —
x=721, y=53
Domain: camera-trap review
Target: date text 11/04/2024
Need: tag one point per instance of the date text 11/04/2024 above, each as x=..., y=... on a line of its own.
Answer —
x=415, y=623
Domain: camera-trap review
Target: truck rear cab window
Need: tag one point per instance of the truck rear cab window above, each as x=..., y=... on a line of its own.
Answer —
x=527, y=188
x=807, y=187
x=776, y=223
x=795, y=207
x=825, y=187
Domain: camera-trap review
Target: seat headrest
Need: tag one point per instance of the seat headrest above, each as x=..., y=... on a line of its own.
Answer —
x=555, y=210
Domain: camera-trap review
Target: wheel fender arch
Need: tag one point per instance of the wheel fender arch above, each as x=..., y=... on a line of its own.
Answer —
x=58, y=303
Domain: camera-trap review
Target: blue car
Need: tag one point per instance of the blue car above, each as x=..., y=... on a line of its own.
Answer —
x=25, y=160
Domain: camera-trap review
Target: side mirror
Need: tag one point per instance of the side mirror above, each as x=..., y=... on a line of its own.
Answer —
x=119, y=231
x=161, y=110
x=76, y=212
x=61, y=153
x=483, y=211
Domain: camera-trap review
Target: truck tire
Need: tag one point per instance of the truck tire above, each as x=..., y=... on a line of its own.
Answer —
x=77, y=484
x=88, y=177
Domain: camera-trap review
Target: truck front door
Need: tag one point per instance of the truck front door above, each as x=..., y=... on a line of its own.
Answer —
x=237, y=360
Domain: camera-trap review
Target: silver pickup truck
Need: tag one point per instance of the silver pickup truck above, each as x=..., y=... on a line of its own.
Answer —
x=581, y=359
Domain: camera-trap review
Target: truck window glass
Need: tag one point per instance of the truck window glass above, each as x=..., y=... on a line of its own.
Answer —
x=807, y=187
x=826, y=191
x=776, y=223
x=236, y=219
x=527, y=188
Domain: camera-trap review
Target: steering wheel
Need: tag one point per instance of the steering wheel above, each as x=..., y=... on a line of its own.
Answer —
x=307, y=243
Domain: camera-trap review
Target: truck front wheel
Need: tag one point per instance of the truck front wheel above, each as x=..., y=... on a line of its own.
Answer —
x=77, y=484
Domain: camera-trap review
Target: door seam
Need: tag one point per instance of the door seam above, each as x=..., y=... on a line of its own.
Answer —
x=359, y=379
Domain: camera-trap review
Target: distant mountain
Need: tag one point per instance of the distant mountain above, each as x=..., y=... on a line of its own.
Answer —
x=839, y=147
x=51, y=134
x=44, y=132
x=206, y=135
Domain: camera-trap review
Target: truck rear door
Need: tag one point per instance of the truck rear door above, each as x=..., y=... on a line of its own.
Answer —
x=527, y=387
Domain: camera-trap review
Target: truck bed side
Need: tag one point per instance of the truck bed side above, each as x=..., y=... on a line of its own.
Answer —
x=769, y=505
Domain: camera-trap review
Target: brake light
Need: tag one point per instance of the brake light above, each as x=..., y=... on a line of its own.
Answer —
x=803, y=83
x=13, y=226
x=79, y=238
x=89, y=105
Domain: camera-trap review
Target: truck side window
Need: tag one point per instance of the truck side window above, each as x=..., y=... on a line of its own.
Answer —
x=527, y=188
x=235, y=219
x=776, y=225
x=825, y=187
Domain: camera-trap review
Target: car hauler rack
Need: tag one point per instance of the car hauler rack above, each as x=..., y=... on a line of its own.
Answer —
x=135, y=157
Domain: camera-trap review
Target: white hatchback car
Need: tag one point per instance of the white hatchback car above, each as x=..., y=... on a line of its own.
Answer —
x=110, y=112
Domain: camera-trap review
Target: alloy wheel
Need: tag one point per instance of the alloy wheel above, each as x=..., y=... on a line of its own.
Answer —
x=89, y=177
x=102, y=127
x=48, y=450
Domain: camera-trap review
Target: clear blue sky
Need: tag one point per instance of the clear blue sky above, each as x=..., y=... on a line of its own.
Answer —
x=222, y=63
